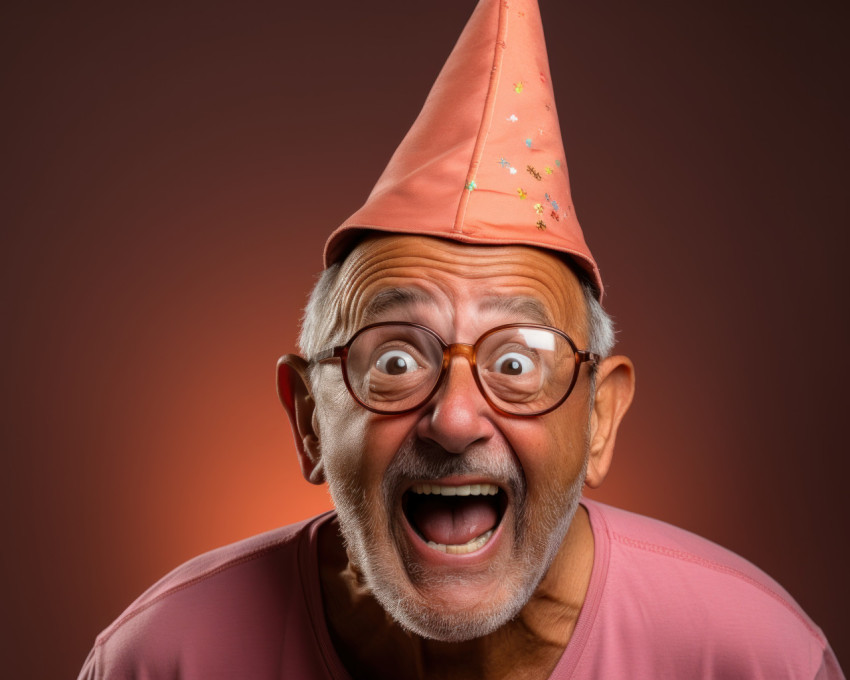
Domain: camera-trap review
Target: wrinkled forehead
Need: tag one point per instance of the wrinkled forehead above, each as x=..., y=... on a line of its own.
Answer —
x=386, y=277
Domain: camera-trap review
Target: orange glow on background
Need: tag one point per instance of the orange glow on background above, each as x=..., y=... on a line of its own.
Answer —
x=170, y=177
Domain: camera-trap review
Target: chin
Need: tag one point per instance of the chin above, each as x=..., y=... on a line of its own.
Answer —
x=448, y=619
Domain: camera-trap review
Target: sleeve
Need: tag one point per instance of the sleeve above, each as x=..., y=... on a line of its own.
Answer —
x=829, y=668
x=90, y=667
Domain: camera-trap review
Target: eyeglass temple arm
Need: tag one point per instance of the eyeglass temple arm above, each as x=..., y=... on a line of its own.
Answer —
x=327, y=354
x=588, y=356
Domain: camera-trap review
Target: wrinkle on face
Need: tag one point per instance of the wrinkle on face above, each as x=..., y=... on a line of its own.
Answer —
x=385, y=274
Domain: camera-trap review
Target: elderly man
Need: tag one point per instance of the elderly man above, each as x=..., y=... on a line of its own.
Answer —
x=456, y=393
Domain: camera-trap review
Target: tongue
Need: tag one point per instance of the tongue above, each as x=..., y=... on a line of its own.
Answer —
x=453, y=520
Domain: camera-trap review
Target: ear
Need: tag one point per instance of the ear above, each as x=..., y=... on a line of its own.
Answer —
x=293, y=388
x=615, y=387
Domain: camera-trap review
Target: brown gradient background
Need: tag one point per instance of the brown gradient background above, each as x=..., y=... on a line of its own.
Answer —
x=170, y=175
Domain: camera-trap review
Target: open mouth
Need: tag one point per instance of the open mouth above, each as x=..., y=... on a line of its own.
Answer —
x=454, y=519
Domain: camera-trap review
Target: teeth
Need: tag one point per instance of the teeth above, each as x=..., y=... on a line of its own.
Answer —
x=463, y=549
x=465, y=490
x=477, y=543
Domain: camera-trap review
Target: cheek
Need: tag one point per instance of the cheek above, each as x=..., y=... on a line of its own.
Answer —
x=551, y=449
x=358, y=445
x=340, y=424
x=379, y=439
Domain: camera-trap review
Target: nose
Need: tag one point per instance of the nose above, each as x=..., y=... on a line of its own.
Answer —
x=458, y=415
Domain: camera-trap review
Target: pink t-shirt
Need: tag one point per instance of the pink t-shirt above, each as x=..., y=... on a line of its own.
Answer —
x=662, y=603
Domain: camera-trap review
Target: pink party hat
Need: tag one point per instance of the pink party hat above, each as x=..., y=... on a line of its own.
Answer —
x=484, y=161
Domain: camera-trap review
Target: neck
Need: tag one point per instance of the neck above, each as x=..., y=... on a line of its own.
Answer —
x=372, y=645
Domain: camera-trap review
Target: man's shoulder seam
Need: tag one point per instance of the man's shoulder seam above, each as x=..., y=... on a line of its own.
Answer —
x=261, y=550
x=720, y=568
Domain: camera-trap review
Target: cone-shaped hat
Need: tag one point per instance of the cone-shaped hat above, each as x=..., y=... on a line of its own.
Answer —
x=484, y=161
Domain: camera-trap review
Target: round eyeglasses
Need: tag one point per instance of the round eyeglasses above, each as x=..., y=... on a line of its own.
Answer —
x=395, y=367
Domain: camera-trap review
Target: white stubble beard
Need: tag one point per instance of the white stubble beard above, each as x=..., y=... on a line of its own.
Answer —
x=367, y=528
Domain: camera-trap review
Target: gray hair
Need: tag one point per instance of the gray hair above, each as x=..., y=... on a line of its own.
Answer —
x=325, y=324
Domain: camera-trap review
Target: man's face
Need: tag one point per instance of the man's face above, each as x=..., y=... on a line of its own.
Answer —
x=497, y=547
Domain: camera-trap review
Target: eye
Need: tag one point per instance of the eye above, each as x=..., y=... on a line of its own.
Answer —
x=513, y=363
x=396, y=362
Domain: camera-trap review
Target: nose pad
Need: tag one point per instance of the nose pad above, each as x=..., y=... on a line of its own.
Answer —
x=460, y=415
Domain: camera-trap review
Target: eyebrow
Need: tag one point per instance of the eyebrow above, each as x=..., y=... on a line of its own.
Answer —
x=522, y=307
x=392, y=298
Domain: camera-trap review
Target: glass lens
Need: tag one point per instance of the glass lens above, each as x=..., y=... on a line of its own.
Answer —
x=393, y=368
x=525, y=370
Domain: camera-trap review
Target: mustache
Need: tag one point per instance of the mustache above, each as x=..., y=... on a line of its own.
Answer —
x=420, y=460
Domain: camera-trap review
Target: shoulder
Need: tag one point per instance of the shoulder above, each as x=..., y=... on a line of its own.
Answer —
x=669, y=591
x=209, y=572
x=233, y=606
